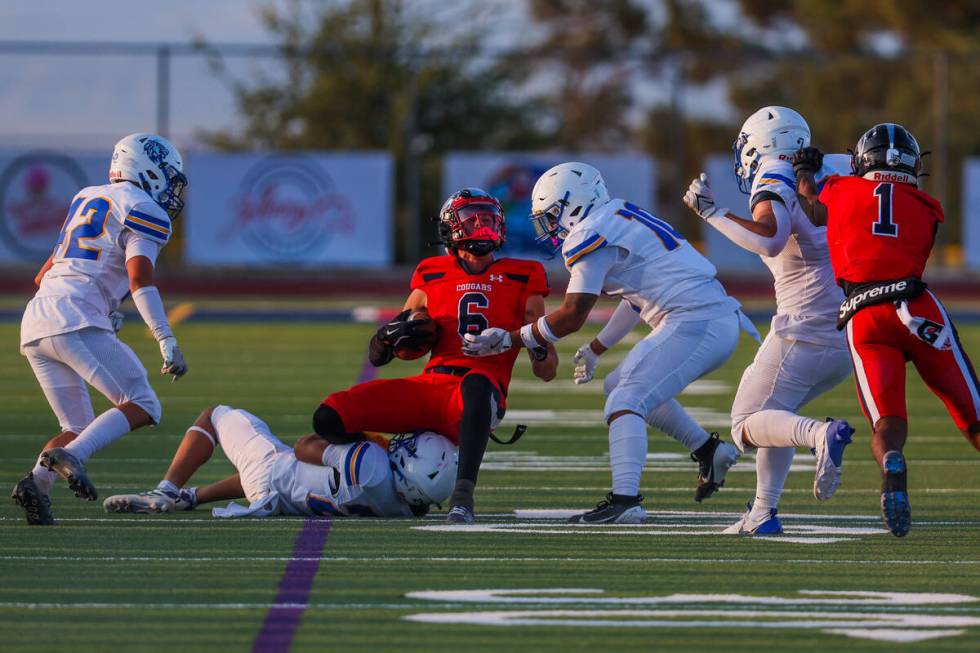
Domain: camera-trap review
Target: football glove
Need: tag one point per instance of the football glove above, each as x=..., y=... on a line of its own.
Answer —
x=489, y=343
x=117, y=320
x=173, y=358
x=701, y=199
x=586, y=361
x=808, y=159
x=400, y=331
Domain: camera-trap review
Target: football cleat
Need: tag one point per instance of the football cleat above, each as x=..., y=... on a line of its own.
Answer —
x=614, y=509
x=896, y=511
x=65, y=464
x=714, y=459
x=152, y=501
x=36, y=504
x=830, y=457
x=460, y=515
x=750, y=524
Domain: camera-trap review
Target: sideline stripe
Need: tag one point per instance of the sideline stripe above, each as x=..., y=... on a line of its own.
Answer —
x=291, y=600
x=281, y=621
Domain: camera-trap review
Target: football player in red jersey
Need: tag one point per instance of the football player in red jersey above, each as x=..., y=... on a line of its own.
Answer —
x=464, y=291
x=880, y=230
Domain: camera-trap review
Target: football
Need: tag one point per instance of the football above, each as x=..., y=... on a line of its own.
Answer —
x=413, y=348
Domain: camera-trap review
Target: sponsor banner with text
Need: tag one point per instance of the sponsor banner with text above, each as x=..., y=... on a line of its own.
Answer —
x=317, y=209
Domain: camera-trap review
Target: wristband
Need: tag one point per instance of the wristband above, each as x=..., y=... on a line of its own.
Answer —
x=527, y=337
x=545, y=330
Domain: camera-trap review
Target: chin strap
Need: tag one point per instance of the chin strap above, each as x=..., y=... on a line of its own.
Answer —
x=519, y=430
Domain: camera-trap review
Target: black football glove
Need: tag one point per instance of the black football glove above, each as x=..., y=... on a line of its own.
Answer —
x=400, y=331
x=808, y=159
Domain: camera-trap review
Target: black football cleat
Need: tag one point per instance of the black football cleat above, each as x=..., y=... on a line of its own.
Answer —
x=36, y=504
x=714, y=459
x=896, y=511
x=614, y=509
x=65, y=464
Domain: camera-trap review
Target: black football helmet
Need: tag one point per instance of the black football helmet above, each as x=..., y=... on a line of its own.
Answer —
x=473, y=220
x=887, y=148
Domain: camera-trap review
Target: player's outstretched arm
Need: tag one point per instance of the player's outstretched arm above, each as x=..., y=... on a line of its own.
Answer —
x=544, y=360
x=150, y=307
x=765, y=234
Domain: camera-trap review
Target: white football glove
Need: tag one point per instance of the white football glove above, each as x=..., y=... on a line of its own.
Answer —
x=701, y=199
x=117, y=320
x=585, y=361
x=489, y=343
x=173, y=358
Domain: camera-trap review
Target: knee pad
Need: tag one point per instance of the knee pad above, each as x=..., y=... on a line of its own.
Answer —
x=328, y=424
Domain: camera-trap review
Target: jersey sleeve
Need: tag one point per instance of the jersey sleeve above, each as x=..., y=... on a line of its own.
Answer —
x=580, y=244
x=774, y=182
x=589, y=276
x=427, y=271
x=537, y=283
x=148, y=220
x=365, y=465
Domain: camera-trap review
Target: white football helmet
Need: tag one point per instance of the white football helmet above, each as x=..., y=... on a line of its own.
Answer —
x=563, y=197
x=770, y=130
x=425, y=467
x=154, y=164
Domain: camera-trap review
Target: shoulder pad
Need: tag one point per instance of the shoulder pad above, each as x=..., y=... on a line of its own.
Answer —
x=579, y=243
x=775, y=177
x=148, y=219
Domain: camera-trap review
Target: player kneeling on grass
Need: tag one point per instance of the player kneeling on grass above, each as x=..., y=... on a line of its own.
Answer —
x=107, y=249
x=315, y=478
x=614, y=247
x=463, y=292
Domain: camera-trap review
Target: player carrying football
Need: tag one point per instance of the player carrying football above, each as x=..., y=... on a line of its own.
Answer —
x=614, y=247
x=464, y=292
x=880, y=230
x=107, y=248
x=804, y=355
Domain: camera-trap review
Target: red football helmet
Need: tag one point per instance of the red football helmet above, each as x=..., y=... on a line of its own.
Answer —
x=473, y=220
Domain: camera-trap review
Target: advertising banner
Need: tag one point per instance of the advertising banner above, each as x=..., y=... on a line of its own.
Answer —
x=316, y=209
x=971, y=213
x=510, y=176
x=36, y=188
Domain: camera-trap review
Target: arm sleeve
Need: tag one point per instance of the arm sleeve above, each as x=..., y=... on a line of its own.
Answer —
x=621, y=322
x=762, y=245
x=589, y=272
x=150, y=307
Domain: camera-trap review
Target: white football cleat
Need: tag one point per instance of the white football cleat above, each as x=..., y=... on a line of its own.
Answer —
x=830, y=457
x=152, y=501
x=749, y=524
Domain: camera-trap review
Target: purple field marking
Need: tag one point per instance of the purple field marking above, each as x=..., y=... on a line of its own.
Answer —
x=282, y=619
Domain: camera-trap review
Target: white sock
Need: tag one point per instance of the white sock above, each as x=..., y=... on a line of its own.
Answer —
x=44, y=478
x=167, y=486
x=771, y=469
x=671, y=418
x=627, y=453
x=103, y=431
x=781, y=428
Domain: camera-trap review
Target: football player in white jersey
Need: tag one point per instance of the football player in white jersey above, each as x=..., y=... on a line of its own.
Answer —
x=804, y=355
x=614, y=247
x=317, y=478
x=107, y=249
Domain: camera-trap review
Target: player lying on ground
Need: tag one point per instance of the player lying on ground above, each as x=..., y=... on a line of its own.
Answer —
x=881, y=229
x=612, y=246
x=804, y=355
x=317, y=478
x=465, y=291
x=107, y=248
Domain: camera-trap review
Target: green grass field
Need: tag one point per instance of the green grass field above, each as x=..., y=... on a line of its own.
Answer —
x=99, y=582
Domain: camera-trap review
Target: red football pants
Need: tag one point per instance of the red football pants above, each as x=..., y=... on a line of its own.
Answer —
x=430, y=402
x=881, y=345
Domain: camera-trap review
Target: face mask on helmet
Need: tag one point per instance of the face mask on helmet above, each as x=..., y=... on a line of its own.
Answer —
x=548, y=232
x=473, y=221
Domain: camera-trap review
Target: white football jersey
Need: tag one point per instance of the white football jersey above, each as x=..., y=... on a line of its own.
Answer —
x=807, y=295
x=105, y=226
x=657, y=272
x=357, y=481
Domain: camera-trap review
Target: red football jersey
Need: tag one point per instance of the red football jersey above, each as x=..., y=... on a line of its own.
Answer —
x=878, y=230
x=461, y=303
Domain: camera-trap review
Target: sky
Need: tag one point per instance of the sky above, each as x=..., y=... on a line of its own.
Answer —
x=72, y=101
